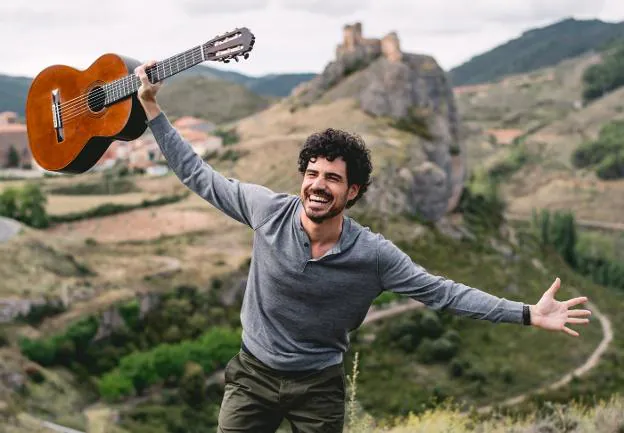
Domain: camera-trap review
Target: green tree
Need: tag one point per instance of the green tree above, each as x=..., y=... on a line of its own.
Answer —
x=8, y=203
x=604, y=77
x=13, y=159
x=31, y=209
x=193, y=385
x=564, y=236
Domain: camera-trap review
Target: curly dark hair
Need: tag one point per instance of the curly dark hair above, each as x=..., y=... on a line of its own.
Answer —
x=333, y=143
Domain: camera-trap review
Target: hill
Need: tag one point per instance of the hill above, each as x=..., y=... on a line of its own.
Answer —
x=14, y=90
x=525, y=128
x=216, y=100
x=538, y=48
x=279, y=85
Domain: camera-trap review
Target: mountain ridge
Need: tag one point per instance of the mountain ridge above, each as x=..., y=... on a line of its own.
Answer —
x=538, y=48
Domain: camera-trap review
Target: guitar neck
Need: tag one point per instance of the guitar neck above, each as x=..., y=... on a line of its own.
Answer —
x=128, y=85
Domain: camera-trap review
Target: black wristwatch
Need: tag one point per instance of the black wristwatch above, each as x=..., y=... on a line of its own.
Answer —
x=526, y=315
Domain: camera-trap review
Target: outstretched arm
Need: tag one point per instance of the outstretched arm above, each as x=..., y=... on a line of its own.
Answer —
x=399, y=274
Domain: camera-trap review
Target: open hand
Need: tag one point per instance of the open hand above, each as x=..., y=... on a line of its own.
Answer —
x=554, y=315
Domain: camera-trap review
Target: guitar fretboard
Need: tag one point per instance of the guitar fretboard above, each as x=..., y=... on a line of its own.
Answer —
x=126, y=86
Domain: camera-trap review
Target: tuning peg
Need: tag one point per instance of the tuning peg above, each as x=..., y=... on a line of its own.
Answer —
x=226, y=61
x=246, y=56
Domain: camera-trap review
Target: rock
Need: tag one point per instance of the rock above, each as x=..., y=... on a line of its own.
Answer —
x=147, y=302
x=13, y=380
x=110, y=320
x=412, y=91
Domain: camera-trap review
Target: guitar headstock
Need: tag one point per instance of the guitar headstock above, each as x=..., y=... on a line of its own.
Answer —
x=231, y=45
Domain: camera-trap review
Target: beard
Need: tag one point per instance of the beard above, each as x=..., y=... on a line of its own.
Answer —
x=317, y=212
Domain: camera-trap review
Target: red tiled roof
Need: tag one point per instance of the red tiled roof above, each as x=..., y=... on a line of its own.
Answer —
x=505, y=136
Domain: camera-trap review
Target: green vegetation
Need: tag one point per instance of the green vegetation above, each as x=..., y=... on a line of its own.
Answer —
x=481, y=203
x=183, y=314
x=13, y=159
x=113, y=209
x=26, y=204
x=538, y=48
x=559, y=230
x=414, y=122
x=517, y=157
x=170, y=363
x=229, y=136
x=606, y=154
x=606, y=415
x=604, y=77
x=108, y=186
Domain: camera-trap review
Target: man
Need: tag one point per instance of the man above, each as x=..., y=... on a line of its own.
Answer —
x=313, y=276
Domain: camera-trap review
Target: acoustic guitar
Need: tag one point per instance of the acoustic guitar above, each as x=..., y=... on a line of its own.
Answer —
x=73, y=116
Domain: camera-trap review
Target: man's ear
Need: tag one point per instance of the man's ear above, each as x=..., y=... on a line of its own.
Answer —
x=353, y=191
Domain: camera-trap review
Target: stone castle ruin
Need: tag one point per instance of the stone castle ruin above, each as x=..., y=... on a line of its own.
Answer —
x=353, y=42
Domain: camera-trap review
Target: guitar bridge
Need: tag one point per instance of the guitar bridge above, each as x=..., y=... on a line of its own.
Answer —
x=56, y=115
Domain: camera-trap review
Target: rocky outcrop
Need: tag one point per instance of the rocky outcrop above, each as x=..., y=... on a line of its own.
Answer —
x=110, y=321
x=414, y=93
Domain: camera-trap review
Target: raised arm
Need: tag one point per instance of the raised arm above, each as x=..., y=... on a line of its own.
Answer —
x=247, y=203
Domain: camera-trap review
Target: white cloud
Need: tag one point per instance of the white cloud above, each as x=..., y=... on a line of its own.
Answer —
x=291, y=35
x=221, y=6
x=324, y=7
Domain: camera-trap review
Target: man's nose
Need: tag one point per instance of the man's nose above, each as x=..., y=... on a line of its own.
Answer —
x=319, y=183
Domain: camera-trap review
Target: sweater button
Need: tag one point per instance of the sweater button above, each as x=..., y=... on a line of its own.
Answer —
x=306, y=244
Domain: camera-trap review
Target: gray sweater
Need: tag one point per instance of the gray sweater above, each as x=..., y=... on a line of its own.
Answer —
x=297, y=311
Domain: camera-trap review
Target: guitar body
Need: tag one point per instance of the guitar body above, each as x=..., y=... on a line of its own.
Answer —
x=88, y=129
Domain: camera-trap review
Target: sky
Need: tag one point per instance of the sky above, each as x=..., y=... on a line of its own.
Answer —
x=291, y=35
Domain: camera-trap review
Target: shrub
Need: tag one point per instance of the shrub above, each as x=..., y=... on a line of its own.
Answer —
x=606, y=154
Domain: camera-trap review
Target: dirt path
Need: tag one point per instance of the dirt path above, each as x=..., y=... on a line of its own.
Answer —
x=590, y=363
x=383, y=313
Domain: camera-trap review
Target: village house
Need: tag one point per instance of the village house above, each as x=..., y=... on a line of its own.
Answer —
x=144, y=153
x=14, y=149
x=504, y=136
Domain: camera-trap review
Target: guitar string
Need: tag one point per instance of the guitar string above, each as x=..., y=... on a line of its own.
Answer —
x=68, y=106
x=163, y=64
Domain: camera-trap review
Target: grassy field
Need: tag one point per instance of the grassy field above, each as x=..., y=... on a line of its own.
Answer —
x=497, y=360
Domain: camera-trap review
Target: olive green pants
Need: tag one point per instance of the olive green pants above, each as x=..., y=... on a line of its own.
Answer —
x=257, y=398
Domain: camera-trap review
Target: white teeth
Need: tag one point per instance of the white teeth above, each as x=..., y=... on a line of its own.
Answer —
x=318, y=199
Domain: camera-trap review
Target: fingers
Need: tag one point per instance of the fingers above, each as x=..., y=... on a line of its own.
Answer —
x=139, y=71
x=575, y=301
x=570, y=331
x=577, y=320
x=554, y=287
x=579, y=313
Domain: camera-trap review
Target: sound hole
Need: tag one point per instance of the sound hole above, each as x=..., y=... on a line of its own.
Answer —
x=97, y=97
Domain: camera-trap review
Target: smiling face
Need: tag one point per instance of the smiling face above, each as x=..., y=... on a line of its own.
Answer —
x=325, y=189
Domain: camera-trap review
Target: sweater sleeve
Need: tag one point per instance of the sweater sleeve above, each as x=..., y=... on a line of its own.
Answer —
x=399, y=274
x=247, y=203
